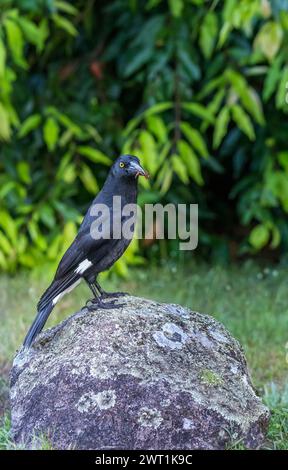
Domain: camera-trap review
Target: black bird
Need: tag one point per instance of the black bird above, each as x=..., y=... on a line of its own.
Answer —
x=89, y=255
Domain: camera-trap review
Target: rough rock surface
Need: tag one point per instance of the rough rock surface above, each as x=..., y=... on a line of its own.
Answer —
x=145, y=376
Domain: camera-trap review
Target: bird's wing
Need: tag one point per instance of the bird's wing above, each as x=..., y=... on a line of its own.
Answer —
x=74, y=258
x=86, y=250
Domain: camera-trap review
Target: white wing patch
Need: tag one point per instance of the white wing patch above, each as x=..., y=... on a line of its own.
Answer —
x=83, y=266
x=59, y=296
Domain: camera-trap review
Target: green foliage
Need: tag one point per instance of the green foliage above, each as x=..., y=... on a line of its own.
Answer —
x=42, y=442
x=5, y=439
x=197, y=89
x=277, y=401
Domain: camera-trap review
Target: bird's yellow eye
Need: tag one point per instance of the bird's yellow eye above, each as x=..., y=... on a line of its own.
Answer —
x=121, y=164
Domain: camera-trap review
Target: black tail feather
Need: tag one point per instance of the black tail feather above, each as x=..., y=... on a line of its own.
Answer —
x=56, y=288
x=38, y=324
x=46, y=304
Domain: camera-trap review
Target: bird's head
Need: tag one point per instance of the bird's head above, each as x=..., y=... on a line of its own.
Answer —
x=128, y=166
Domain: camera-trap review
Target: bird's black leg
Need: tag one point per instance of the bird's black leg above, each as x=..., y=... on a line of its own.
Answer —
x=97, y=302
x=90, y=302
x=94, y=290
x=107, y=295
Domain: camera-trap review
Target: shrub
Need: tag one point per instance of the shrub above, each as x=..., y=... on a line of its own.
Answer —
x=197, y=89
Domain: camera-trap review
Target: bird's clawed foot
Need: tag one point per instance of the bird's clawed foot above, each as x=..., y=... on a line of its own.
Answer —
x=109, y=295
x=96, y=303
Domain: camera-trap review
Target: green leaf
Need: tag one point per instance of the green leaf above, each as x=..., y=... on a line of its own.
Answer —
x=218, y=82
x=47, y=216
x=149, y=152
x=132, y=124
x=64, y=163
x=65, y=121
x=176, y=7
x=195, y=138
x=88, y=179
x=199, y=111
x=64, y=24
x=158, y=108
x=282, y=92
x=155, y=109
x=166, y=178
x=272, y=78
x=164, y=152
x=27, y=260
x=50, y=133
x=121, y=268
x=179, y=168
x=247, y=95
x=69, y=233
x=259, y=236
x=221, y=126
x=254, y=106
x=243, y=121
x=94, y=155
x=156, y=125
x=139, y=59
x=213, y=107
x=208, y=33
x=66, y=7
x=14, y=120
x=31, y=123
x=31, y=32
x=15, y=41
x=269, y=39
x=5, y=130
x=6, y=188
x=229, y=9
x=54, y=248
x=224, y=33
x=9, y=226
x=44, y=30
x=36, y=235
x=276, y=237
x=5, y=245
x=282, y=158
x=190, y=66
x=69, y=175
x=191, y=161
x=22, y=243
x=23, y=171
x=3, y=261
x=2, y=58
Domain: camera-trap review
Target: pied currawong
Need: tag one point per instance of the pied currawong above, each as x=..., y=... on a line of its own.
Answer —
x=88, y=255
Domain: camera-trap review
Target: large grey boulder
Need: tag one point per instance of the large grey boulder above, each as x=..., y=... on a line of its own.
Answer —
x=145, y=376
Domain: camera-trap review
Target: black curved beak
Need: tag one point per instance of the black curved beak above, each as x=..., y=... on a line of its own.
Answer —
x=139, y=170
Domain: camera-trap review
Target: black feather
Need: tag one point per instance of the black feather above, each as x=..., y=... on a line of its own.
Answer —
x=37, y=325
x=56, y=288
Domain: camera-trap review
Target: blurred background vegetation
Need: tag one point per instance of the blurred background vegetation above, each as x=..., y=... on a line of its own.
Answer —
x=197, y=89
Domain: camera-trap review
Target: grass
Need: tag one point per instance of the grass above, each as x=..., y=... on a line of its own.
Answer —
x=252, y=302
x=42, y=442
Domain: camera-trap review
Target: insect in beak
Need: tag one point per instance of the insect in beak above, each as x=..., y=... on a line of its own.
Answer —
x=139, y=171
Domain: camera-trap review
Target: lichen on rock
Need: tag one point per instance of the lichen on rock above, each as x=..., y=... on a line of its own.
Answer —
x=144, y=376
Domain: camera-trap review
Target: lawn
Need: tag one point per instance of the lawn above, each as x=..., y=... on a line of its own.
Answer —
x=252, y=302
